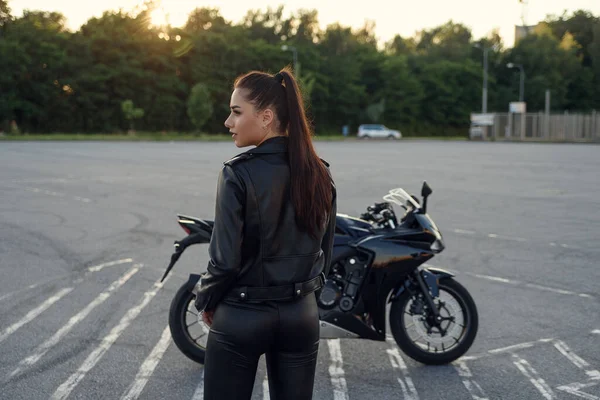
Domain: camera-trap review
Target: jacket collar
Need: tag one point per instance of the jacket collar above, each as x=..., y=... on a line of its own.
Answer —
x=277, y=144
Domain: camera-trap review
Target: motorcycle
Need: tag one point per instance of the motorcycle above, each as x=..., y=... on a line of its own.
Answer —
x=377, y=261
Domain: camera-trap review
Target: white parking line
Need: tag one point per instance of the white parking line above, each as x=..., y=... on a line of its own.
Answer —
x=464, y=231
x=575, y=387
x=336, y=370
x=515, y=238
x=596, y=331
x=7, y=295
x=507, y=349
x=531, y=374
x=34, y=313
x=74, y=320
x=56, y=194
x=514, y=347
x=99, y=267
x=148, y=366
x=549, y=289
x=560, y=291
x=65, y=389
x=409, y=391
x=574, y=358
x=199, y=392
x=473, y=387
x=44, y=191
x=95, y=268
x=33, y=286
x=496, y=279
x=516, y=282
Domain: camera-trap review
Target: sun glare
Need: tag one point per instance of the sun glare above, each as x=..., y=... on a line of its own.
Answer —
x=158, y=17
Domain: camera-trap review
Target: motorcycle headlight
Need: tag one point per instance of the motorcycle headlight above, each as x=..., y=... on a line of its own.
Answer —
x=437, y=246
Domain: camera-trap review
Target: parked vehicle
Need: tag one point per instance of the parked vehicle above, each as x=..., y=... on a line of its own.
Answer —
x=377, y=131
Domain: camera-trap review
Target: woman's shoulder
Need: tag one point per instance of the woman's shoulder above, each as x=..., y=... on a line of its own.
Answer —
x=237, y=159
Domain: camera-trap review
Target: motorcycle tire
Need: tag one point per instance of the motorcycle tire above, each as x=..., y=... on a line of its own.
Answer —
x=418, y=353
x=179, y=327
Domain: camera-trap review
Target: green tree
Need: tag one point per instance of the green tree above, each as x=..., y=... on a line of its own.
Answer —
x=549, y=63
x=55, y=80
x=4, y=13
x=451, y=41
x=375, y=111
x=35, y=69
x=131, y=113
x=400, y=46
x=403, y=94
x=581, y=26
x=305, y=31
x=450, y=93
x=199, y=107
x=594, y=50
x=203, y=19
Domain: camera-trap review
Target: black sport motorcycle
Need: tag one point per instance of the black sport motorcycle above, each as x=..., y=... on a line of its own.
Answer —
x=377, y=261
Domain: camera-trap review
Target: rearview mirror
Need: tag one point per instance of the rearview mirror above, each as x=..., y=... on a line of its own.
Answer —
x=426, y=190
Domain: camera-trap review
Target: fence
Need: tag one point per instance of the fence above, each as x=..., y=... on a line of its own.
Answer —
x=541, y=127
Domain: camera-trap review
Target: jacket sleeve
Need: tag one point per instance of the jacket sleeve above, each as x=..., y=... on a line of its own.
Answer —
x=327, y=242
x=225, y=247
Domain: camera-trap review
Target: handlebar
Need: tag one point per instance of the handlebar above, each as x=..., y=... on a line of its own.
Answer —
x=381, y=214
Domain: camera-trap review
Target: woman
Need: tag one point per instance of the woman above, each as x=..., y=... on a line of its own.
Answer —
x=271, y=244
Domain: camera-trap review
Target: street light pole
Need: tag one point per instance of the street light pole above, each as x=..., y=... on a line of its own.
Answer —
x=484, y=95
x=485, y=81
x=522, y=85
x=521, y=96
x=522, y=80
x=285, y=47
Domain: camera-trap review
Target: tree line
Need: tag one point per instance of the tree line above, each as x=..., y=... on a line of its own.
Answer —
x=119, y=71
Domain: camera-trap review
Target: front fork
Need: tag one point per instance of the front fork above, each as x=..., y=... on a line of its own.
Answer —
x=428, y=283
x=427, y=280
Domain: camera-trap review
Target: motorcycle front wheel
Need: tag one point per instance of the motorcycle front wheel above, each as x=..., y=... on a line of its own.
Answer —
x=420, y=338
x=187, y=329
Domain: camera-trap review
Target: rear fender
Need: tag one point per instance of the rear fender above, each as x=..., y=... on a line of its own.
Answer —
x=194, y=238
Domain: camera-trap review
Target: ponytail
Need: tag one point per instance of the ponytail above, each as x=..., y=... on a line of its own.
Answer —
x=311, y=182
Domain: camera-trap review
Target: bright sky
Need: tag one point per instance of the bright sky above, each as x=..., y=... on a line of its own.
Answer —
x=391, y=16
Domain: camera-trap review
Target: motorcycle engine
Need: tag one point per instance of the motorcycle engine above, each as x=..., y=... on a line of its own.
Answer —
x=330, y=294
x=341, y=287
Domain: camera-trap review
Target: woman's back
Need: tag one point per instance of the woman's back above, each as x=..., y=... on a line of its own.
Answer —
x=275, y=250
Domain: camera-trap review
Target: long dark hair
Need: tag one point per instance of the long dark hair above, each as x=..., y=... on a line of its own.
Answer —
x=311, y=189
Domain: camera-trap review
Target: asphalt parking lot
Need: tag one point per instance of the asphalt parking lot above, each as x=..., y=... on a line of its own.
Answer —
x=86, y=230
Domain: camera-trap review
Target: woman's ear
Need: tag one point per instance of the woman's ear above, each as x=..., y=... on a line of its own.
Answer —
x=268, y=116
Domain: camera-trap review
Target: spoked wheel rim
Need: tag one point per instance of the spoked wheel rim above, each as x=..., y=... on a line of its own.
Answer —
x=418, y=322
x=196, y=331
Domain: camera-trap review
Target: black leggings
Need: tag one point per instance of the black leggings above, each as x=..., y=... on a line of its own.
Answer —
x=287, y=332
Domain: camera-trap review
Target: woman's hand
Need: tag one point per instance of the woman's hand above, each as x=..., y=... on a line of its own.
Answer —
x=207, y=317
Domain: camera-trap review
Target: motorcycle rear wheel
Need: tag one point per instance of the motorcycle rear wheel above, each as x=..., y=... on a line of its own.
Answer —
x=408, y=310
x=182, y=317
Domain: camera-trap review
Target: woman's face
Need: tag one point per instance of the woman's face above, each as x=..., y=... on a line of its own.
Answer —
x=248, y=126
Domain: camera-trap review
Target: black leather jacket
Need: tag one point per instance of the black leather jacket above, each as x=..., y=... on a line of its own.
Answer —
x=255, y=239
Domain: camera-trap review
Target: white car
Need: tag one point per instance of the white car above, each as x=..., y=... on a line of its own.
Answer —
x=377, y=131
